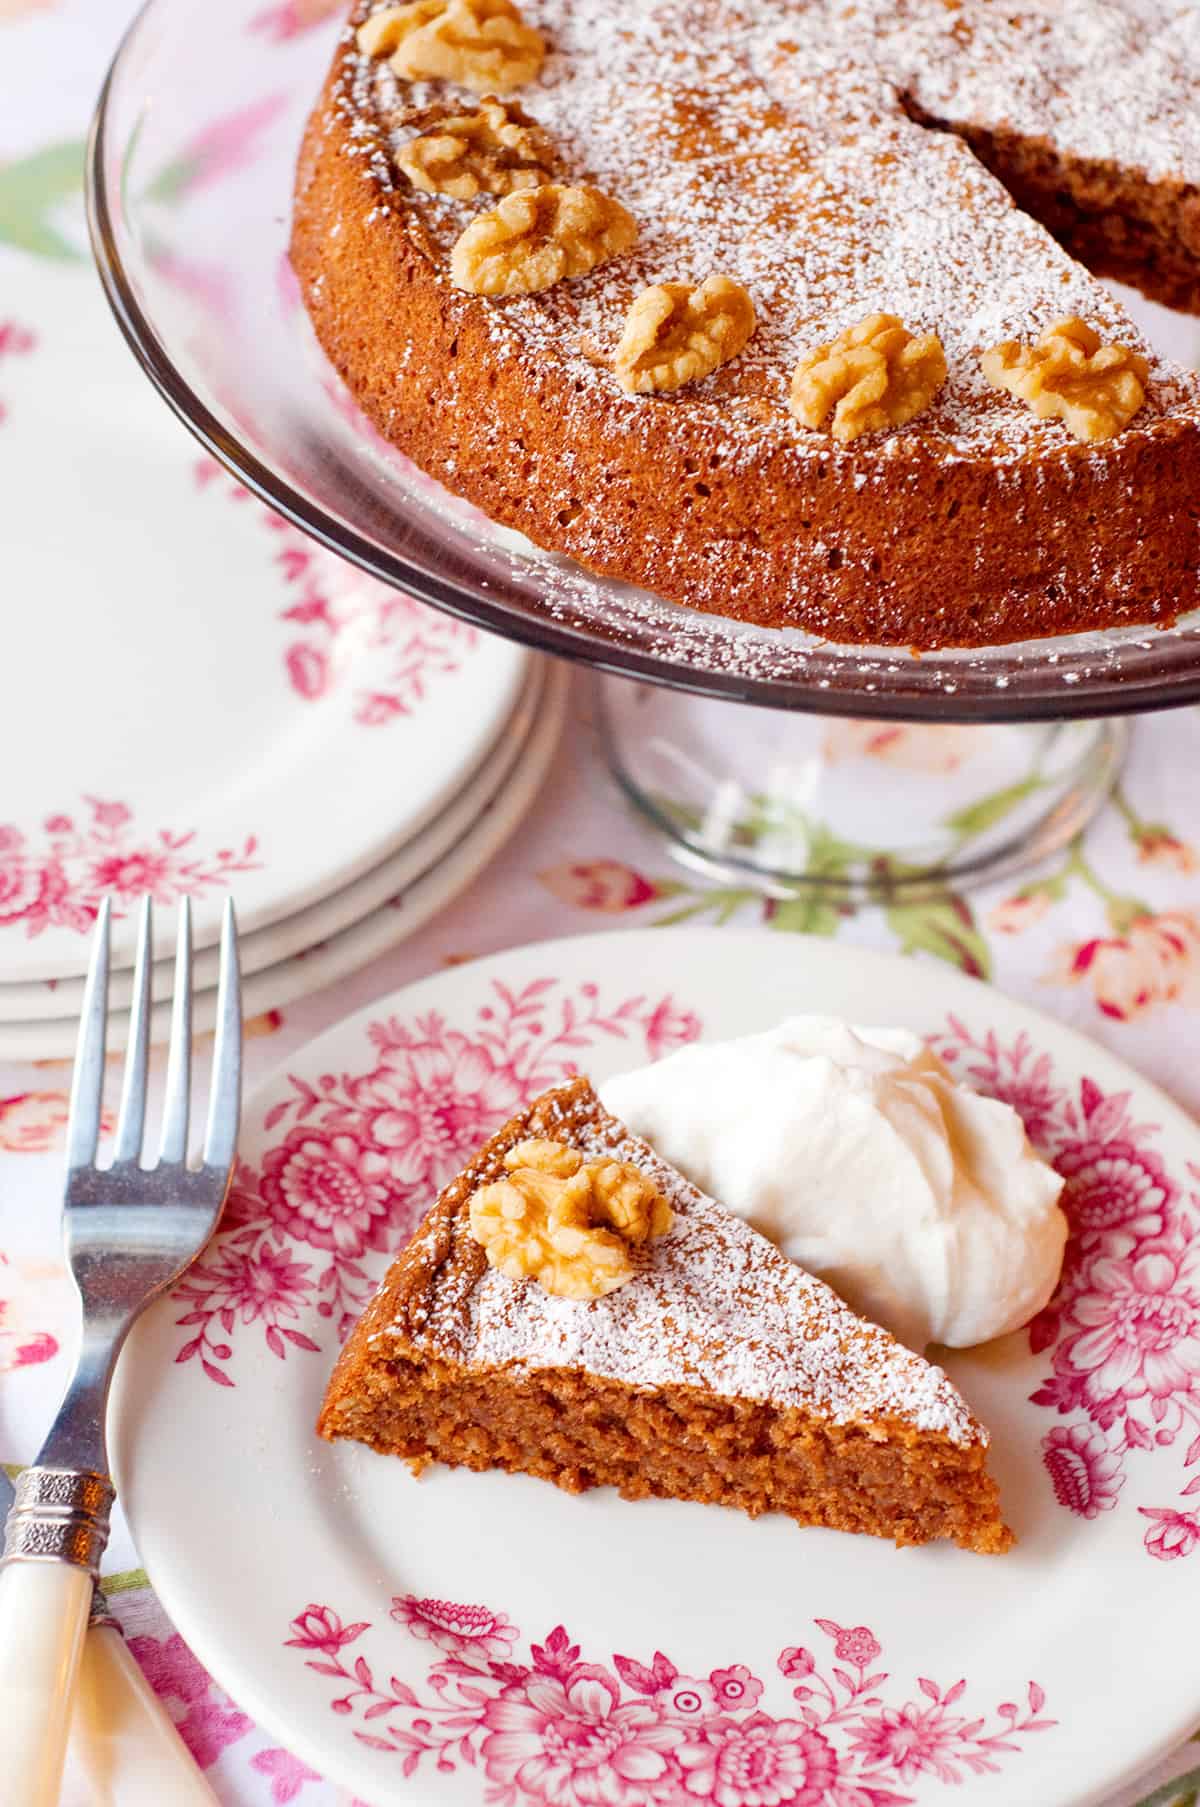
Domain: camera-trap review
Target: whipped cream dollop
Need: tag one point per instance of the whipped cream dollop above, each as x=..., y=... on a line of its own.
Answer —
x=858, y=1153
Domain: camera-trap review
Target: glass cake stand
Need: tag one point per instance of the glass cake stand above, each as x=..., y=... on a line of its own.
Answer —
x=769, y=755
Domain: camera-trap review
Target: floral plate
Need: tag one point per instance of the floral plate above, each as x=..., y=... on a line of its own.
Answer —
x=485, y=1637
x=262, y=948
x=395, y=902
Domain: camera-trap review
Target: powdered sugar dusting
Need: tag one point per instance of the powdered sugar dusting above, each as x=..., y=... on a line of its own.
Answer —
x=1117, y=81
x=771, y=144
x=713, y=1304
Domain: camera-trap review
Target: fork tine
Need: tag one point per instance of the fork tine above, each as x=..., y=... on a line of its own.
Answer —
x=131, y=1122
x=225, y=1101
x=179, y=1057
x=87, y=1081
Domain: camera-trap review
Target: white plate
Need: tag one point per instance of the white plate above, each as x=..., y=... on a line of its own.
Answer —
x=196, y=695
x=403, y=908
x=473, y=1637
x=57, y=999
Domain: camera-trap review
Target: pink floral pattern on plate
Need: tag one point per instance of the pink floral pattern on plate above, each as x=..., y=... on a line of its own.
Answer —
x=339, y=613
x=360, y=1157
x=1123, y=1329
x=552, y=1728
x=57, y=880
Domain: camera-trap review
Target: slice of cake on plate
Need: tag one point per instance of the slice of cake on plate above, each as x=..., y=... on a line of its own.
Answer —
x=573, y=1308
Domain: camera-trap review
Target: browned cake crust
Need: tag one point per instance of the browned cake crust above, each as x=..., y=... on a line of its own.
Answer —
x=920, y=537
x=400, y=1387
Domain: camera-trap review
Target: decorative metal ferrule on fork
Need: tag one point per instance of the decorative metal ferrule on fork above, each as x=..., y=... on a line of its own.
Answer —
x=59, y=1515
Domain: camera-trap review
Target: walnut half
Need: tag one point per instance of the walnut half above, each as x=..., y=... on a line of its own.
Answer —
x=481, y=44
x=537, y=237
x=1072, y=376
x=675, y=334
x=872, y=376
x=565, y=1222
x=493, y=150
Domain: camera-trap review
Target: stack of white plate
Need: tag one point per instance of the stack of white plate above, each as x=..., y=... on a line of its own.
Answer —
x=337, y=833
x=335, y=838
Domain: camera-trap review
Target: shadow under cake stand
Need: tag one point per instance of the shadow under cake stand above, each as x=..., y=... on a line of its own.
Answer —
x=763, y=756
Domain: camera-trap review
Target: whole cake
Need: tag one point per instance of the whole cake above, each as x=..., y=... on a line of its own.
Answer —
x=573, y=1308
x=759, y=308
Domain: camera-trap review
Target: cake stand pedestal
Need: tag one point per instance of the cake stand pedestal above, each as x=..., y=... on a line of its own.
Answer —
x=847, y=809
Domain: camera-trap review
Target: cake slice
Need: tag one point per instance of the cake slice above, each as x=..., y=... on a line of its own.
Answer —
x=718, y=1371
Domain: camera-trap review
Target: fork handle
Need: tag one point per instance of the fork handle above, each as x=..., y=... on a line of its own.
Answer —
x=122, y=1735
x=54, y=1540
x=43, y=1616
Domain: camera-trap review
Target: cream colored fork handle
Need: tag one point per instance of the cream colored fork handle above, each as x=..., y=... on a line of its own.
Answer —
x=121, y=1737
x=43, y=1616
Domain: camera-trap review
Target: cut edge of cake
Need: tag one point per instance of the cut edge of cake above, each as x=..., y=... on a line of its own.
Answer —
x=720, y=1372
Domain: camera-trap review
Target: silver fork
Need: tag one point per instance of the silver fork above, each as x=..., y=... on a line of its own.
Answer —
x=130, y=1231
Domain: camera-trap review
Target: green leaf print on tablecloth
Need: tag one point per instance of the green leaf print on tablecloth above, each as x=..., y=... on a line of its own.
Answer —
x=943, y=925
x=1184, y=1791
x=31, y=190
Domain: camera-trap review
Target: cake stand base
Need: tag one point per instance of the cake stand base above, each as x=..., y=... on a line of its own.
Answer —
x=849, y=810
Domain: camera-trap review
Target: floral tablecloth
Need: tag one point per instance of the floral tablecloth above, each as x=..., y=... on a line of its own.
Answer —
x=1108, y=936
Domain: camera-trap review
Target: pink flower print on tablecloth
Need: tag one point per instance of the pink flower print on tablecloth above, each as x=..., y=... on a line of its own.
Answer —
x=58, y=880
x=35, y=1303
x=32, y=1122
x=205, y=1718
x=1014, y=915
x=1158, y=847
x=288, y=1775
x=603, y=885
x=1157, y=962
x=458, y=1630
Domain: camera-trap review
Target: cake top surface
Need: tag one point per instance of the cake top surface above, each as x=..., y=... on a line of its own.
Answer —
x=712, y=1303
x=770, y=143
